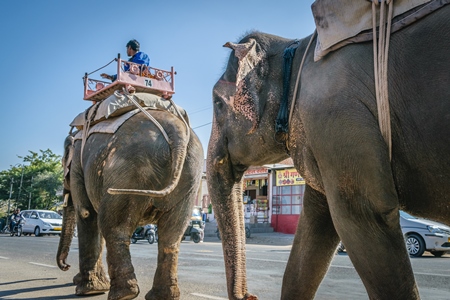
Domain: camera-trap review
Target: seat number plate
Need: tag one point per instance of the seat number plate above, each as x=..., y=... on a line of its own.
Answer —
x=148, y=82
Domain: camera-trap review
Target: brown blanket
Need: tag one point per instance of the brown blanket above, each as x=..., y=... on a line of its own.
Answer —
x=118, y=104
x=339, y=23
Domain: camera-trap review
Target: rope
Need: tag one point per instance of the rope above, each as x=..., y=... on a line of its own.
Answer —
x=102, y=67
x=146, y=113
x=188, y=131
x=297, y=84
x=380, y=58
x=131, y=98
x=89, y=116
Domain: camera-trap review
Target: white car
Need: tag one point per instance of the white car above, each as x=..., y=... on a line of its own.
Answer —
x=424, y=235
x=421, y=235
x=40, y=222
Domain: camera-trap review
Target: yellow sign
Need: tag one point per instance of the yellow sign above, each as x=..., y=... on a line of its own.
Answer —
x=288, y=177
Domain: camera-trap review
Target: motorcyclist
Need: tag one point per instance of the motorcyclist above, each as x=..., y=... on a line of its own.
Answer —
x=138, y=231
x=15, y=219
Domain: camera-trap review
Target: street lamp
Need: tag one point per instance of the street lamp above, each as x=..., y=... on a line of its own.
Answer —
x=20, y=187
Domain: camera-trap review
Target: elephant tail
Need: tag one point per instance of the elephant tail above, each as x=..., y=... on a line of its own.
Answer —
x=68, y=227
x=179, y=152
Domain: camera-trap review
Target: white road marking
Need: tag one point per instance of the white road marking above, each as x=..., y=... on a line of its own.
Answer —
x=43, y=265
x=415, y=273
x=208, y=296
x=2, y=257
x=431, y=274
x=345, y=267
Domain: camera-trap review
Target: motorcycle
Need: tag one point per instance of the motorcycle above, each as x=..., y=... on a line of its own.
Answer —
x=341, y=248
x=152, y=234
x=17, y=230
x=147, y=232
x=248, y=232
x=194, y=230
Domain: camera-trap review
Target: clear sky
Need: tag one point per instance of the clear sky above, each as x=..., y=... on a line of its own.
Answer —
x=48, y=45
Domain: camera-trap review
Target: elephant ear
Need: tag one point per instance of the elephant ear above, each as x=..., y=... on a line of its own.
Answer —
x=249, y=79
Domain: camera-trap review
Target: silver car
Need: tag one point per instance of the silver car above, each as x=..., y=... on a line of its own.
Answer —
x=38, y=222
x=424, y=235
x=421, y=235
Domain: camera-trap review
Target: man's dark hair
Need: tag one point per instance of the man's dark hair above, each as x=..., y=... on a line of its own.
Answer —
x=134, y=45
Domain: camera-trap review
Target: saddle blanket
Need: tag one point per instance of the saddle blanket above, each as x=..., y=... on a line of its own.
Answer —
x=118, y=104
x=108, y=115
x=107, y=126
x=339, y=23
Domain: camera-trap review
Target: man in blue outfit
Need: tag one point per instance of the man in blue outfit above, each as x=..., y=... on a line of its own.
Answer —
x=136, y=56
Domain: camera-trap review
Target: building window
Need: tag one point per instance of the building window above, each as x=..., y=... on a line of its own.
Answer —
x=288, y=200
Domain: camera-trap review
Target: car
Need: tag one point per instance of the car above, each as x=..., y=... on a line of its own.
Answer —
x=38, y=222
x=424, y=235
x=421, y=235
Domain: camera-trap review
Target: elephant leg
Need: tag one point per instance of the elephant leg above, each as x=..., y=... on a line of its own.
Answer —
x=165, y=282
x=92, y=278
x=313, y=248
x=117, y=232
x=370, y=230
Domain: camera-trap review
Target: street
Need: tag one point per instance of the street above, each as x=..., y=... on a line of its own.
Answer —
x=29, y=270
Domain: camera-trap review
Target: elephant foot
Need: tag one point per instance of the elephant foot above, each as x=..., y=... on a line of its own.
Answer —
x=77, y=279
x=173, y=293
x=91, y=286
x=129, y=290
x=250, y=297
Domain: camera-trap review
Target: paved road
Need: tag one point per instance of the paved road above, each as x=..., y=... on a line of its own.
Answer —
x=28, y=270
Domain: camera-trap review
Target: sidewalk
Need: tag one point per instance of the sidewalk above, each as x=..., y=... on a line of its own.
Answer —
x=273, y=238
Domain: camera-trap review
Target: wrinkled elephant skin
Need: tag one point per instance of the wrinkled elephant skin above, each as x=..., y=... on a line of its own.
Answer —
x=136, y=157
x=353, y=191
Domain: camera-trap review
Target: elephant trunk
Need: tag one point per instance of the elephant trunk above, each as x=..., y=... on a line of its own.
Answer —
x=178, y=155
x=68, y=226
x=226, y=197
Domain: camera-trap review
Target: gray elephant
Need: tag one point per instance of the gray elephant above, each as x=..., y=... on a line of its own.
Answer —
x=120, y=181
x=336, y=144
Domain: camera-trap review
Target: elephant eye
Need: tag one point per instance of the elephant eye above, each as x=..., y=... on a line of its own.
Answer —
x=218, y=102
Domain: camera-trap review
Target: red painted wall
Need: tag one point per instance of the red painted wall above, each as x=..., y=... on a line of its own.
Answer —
x=285, y=223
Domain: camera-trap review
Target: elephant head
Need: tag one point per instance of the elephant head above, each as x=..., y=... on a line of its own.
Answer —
x=245, y=100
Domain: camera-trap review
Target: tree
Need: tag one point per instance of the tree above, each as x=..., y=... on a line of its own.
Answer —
x=35, y=185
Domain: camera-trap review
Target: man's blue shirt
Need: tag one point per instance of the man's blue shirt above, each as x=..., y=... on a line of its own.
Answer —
x=139, y=58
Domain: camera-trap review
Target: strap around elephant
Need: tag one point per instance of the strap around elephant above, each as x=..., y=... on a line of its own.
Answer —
x=282, y=122
x=147, y=114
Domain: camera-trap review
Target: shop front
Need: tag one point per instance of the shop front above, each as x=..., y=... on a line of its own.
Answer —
x=287, y=199
x=256, y=201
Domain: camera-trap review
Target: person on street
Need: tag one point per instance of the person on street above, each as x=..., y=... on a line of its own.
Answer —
x=15, y=219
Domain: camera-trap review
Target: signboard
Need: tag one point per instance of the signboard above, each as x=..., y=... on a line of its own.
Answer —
x=288, y=177
x=253, y=171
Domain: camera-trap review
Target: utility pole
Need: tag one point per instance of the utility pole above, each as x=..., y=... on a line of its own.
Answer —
x=9, y=201
x=29, y=196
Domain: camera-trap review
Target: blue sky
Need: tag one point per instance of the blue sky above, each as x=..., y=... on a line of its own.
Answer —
x=48, y=45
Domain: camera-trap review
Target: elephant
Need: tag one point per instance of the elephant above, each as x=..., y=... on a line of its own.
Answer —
x=336, y=144
x=120, y=181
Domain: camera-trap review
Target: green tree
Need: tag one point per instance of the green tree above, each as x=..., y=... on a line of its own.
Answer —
x=36, y=183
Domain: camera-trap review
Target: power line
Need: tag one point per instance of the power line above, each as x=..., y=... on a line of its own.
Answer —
x=200, y=110
x=202, y=125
